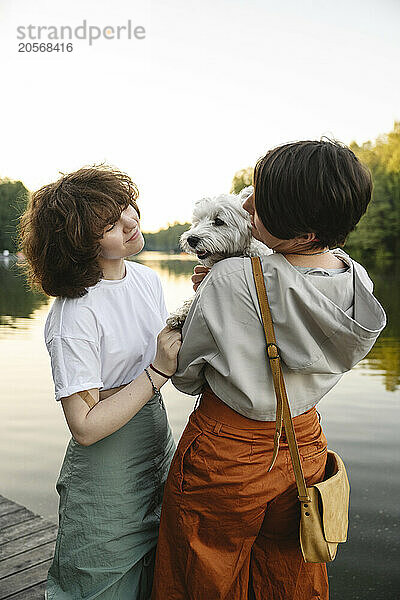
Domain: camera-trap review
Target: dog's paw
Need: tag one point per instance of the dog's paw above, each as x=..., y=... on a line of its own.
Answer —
x=257, y=248
x=175, y=321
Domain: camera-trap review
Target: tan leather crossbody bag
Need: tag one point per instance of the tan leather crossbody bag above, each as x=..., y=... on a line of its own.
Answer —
x=324, y=506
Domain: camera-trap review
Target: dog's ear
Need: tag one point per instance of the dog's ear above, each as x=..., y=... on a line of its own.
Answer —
x=245, y=193
x=202, y=201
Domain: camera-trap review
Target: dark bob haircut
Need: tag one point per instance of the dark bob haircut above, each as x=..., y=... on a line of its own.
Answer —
x=61, y=229
x=311, y=187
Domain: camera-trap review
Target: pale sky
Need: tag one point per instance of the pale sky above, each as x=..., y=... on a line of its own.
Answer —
x=212, y=87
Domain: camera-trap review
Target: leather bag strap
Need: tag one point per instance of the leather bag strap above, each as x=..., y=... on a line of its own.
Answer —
x=283, y=414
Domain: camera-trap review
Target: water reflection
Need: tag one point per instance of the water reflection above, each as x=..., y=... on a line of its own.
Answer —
x=18, y=303
x=175, y=271
x=171, y=264
x=384, y=358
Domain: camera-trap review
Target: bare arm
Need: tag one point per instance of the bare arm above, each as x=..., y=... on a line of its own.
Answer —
x=89, y=425
x=103, y=394
x=90, y=420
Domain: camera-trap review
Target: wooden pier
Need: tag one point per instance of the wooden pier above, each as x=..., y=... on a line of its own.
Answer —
x=26, y=549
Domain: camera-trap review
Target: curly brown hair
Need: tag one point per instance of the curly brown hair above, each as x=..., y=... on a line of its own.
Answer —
x=61, y=229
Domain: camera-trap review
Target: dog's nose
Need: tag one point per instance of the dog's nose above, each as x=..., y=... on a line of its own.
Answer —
x=193, y=241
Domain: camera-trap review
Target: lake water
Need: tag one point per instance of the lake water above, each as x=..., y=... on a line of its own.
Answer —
x=360, y=416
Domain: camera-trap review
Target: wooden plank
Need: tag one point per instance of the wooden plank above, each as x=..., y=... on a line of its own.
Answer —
x=3, y=499
x=28, y=542
x=25, y=579
x=26, y=550
x=34, y=593
x=23, y=529
x=18, y=516
x=8, y=507
x=26, y=560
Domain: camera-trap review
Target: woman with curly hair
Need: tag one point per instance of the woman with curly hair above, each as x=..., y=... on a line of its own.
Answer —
x=104, y=331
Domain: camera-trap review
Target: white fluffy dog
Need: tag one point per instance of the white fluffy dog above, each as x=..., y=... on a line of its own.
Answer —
x=221, y=228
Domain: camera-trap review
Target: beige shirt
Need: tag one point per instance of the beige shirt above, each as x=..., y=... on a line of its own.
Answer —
x=324, y=325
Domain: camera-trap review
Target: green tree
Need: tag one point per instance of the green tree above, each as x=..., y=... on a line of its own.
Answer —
x=166, y=240
x=242, y=179
x=13, y=199
x=378, y=233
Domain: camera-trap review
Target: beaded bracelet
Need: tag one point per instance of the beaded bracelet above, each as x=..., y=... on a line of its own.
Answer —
x=156, y=391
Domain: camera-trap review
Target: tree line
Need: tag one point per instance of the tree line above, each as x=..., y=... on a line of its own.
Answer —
x=376, y=237
x=13, y=200
x=166, y=240
x=378, y=233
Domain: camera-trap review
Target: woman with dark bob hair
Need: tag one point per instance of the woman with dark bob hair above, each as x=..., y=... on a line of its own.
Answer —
x=229, y=527
x=104, y=330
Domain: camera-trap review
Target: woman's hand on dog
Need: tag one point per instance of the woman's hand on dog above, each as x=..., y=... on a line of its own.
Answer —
x=168, y=343
x=199, y=273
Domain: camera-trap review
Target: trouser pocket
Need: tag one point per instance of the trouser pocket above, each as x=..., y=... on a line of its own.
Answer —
x=186, y=445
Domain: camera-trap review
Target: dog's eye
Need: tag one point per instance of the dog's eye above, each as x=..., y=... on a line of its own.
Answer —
x=218, y=222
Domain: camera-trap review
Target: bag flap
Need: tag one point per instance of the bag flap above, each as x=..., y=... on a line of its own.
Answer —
x=334, y=493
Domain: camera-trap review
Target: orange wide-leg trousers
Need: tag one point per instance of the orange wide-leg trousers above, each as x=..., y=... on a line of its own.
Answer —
x=229, y=529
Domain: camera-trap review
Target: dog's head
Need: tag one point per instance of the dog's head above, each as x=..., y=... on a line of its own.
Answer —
x=220, y=228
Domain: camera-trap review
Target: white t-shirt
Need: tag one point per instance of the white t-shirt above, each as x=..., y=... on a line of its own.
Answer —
x=106, y=338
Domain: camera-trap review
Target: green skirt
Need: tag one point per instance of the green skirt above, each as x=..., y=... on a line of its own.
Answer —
x=110, y=505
